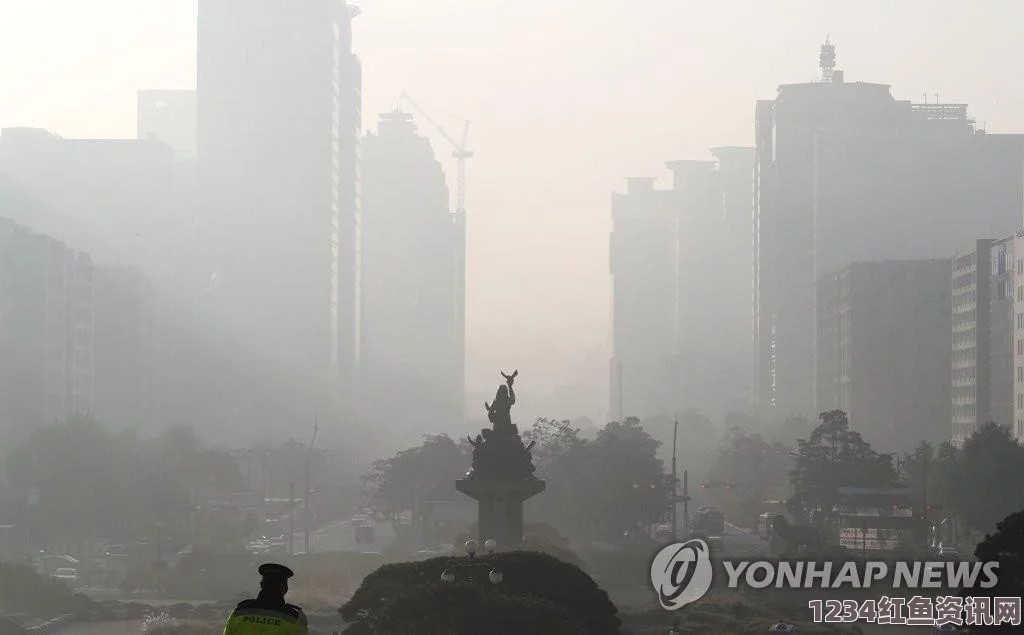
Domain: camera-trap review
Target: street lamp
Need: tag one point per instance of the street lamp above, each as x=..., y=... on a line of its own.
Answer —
x=495, y=575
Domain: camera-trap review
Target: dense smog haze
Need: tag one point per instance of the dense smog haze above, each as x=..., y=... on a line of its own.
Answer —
x=504, y=293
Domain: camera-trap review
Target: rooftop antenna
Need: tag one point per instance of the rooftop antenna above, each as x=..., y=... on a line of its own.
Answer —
x=827, y=60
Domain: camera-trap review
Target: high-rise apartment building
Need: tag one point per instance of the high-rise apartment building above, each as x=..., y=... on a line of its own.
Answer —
x=112, y=198
x=169, y=116
x=278, y=111
x=883, y=350
x=644, y=256
x=988, y=336
x=412, y=351
x=46, y=330
x=844, y=173
x=671, y=237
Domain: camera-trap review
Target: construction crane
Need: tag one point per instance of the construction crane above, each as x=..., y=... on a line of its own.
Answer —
x=460, y=152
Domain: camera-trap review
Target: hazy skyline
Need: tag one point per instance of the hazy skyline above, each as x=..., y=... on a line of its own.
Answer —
x=565, y=98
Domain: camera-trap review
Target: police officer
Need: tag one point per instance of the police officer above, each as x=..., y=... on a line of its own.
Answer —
x=268, y=613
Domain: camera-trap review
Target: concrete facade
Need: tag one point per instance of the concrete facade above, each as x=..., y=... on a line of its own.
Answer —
x=703, y=362
x=46, y=330
x=988, y=336
x=412, y=358
x=847, y=173
x=169, y=116
x=883, y=350
x=278, y=110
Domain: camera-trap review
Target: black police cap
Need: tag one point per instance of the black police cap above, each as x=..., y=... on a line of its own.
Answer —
x=275, y=570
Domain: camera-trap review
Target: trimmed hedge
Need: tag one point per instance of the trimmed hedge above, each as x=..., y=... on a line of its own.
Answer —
x=539, y=594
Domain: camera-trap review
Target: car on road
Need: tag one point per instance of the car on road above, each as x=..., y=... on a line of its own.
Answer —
x=365, y=533
x=949, y=553
x=67, y=576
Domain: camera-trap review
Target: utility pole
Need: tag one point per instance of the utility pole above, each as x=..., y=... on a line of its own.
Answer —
x=291, y=518
x=686, y=504
x=309, y=489
x=675, y=481
x=620, y=389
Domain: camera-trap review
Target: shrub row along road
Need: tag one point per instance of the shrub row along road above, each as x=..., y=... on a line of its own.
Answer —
x=129, y=627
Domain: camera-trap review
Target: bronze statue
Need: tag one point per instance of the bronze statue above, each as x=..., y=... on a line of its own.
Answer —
x=499, y=452
x=499, y=413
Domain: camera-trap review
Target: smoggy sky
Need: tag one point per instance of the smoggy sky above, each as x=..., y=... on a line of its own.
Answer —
x=566, y=97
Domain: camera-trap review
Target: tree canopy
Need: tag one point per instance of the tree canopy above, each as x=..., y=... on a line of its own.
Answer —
x=756, y=469
x=604, y=486
x=1006, y=546
x=426, y=472
x=834, y=456
x=92, y=483
x=985, y=480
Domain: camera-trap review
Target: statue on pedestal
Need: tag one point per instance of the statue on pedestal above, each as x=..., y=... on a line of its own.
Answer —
x=502, y=474
x=499, y=452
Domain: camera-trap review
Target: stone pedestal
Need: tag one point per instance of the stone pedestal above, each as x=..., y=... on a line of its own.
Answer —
x=500, y=506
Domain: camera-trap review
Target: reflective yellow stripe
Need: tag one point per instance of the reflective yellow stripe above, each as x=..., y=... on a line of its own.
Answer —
x=257, y=612
x=257, y=621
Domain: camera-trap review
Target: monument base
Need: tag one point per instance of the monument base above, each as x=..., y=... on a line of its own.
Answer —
x=500, y=507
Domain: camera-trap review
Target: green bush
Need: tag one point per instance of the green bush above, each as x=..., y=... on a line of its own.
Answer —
x=538, y=588
x=23, y=590
x=463, y=608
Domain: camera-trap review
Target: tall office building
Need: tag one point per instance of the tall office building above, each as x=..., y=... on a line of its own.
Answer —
x=46, y=330
x=169, y=116
x=672, y=236
x=278, y=108
x=846, y=173
x=412, y=352
x=883, y=350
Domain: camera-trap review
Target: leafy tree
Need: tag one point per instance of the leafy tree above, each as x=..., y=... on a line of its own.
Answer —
x=539, y=594
x=934, y=468
x=424, y=473
x=628, y=480
x=1006, y=546
x=755, y=467
x=834, y=456
x=986, y=483
x=95, y=484
x=789, y=430
x=562, y=458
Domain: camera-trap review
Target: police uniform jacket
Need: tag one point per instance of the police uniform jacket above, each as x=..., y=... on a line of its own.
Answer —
x=257, y=617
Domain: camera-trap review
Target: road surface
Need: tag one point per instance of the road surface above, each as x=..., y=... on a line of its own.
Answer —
x=739, y=542
x=341, y=536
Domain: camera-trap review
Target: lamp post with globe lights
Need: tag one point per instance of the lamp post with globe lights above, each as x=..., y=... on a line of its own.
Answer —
x=495, y=576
